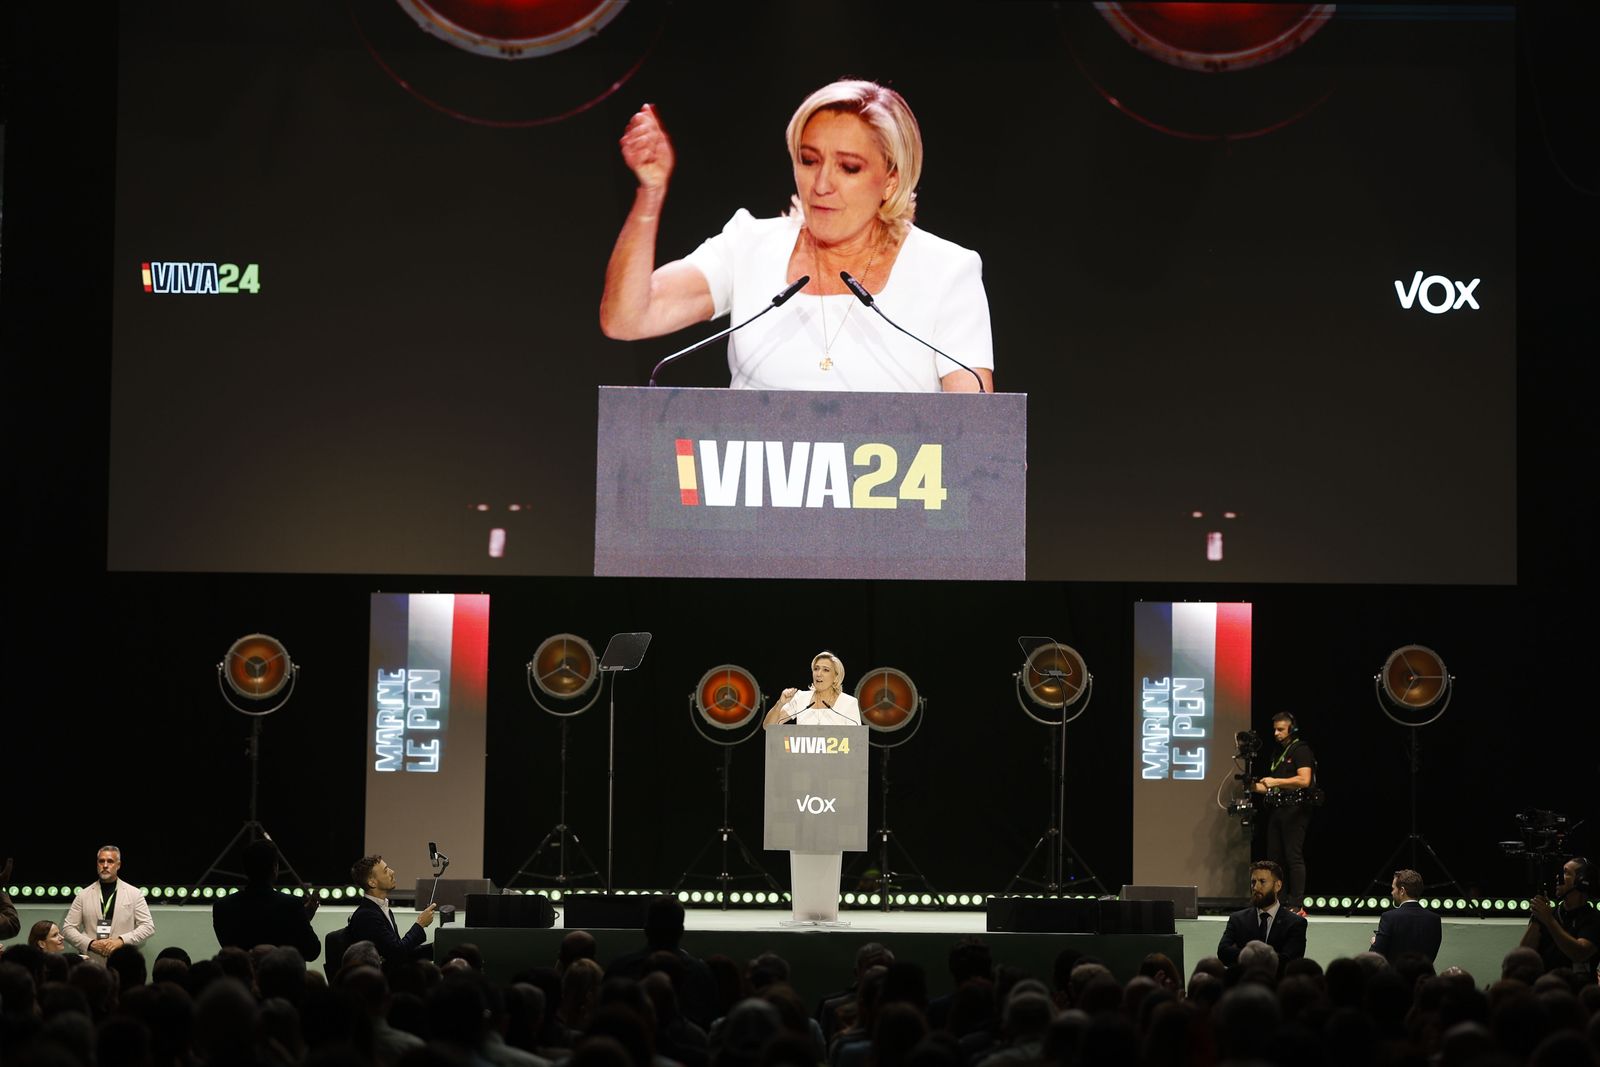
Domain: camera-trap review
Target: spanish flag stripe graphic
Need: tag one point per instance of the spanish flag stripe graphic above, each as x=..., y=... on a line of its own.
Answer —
x=688, y=488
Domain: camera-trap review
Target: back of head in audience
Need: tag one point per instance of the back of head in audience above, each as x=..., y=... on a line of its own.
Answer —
x=663, y=923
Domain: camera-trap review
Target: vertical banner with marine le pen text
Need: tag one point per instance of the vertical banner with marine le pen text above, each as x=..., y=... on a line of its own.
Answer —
x=1191, y=685
x=427, y=685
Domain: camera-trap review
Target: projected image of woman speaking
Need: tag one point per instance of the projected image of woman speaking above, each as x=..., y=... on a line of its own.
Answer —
x=856, y=151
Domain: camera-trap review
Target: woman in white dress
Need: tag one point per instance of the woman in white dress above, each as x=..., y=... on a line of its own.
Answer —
x=814, y=876
x=856, y=151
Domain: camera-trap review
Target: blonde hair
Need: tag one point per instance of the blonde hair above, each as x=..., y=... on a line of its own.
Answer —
x=894, y=128
x=838, y=667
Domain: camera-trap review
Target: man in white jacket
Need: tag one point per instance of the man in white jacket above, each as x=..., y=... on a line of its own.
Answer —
x=108, y=914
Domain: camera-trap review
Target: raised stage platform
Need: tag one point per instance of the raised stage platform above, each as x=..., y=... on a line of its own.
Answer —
x=820, y=956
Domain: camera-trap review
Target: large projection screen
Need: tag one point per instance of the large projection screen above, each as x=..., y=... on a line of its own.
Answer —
x=1252, y=265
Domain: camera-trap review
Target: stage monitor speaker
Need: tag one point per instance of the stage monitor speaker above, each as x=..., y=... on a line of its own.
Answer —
x=452, y=891
x=1031, y=915
x=527, y=911
x=1136, y=917
x=585, y=911
x=1185, y=898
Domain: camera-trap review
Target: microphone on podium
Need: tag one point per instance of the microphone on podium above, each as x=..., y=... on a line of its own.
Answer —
x=866, y=298
x=777, y=301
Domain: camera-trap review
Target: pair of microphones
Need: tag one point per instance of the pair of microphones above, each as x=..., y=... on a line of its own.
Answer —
x=782, y=298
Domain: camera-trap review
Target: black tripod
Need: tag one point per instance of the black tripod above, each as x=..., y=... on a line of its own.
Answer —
x=1413, y=840
x=557, y=839
x=722, y=836
x=1053, y=843
x=889, y=879
x=252, y=830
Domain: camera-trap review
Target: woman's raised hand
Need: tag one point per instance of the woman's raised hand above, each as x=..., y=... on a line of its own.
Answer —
x=647, y=150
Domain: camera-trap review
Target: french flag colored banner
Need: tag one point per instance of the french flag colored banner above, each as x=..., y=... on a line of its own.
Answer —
x=430, y=654
x=427, y=679
x=1191, y=678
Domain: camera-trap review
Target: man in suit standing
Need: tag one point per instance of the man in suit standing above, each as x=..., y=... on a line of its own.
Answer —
x=108, y=914
x=259, y=914
x=1408, y=927
x=1266, y=919
x=373, y=920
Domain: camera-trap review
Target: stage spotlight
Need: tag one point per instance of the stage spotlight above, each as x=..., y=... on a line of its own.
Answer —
x=1414, y=688
x=1053, y=678
x=257, y=668
x=728, y=697
x=889, y=705
x=889, y=702
x=728, y=700
x=564, y=668
x=1054, y=688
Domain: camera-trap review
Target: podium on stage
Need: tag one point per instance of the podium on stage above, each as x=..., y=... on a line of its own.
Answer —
x=816, y=809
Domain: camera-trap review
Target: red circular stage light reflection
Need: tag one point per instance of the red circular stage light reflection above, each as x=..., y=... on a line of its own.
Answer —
x=727, y=697
x=257, y=667
x=1216, y=37
x=513, y=29
x=888, y=699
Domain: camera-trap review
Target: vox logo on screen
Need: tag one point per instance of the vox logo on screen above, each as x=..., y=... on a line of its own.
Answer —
x=1436, y=293
x=807, y=474
x=192, y=278
x=810, y=805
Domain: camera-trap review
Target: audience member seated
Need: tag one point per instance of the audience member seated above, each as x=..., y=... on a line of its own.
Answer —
x=128, y=962
x=580, y=988
x=663, y=932
x=872, y=954
x=577, y=945
x=373, y=920
x=46, y=936
x=1159, y=966
x=260, y=915
x=10, y=923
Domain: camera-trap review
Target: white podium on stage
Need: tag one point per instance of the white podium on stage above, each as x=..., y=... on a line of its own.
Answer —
x=816, y=808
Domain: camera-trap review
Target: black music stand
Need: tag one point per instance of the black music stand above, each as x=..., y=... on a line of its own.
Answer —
x=624, y=652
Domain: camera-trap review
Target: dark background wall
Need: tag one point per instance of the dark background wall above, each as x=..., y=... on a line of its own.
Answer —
x=112, y=729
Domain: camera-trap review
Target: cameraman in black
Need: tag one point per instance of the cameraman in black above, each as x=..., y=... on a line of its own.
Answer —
x=1287, y=790
x=1566, y=933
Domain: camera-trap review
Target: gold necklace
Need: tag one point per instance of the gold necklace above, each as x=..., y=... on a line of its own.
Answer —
x=826, y=363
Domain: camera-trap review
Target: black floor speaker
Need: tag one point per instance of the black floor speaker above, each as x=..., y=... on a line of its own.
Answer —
x=532, y=911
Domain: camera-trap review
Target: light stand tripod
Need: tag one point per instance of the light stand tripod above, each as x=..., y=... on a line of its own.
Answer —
x=563, y=671
x=556, y=839
x=889, y=879
x=722, y=836
x=1054, y=678
x=725, y=709
x=256, y=669
x=253, y=829
x=1414, y=839
x=1413, y=689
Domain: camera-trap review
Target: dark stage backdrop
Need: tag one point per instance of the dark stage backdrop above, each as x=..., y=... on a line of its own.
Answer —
x=111, y=689
x=970, y=791
x=1216, y=293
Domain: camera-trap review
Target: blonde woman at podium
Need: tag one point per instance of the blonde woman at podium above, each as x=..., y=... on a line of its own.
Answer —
x=824, y=704
x=814, y=876
x=856, y=153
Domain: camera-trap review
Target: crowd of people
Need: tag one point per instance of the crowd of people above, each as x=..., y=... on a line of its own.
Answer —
x=649, y=1003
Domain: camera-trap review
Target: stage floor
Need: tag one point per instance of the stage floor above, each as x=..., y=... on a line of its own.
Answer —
x=1476, y=945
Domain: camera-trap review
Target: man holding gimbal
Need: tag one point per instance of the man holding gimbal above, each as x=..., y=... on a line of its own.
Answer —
x=1566, y=932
